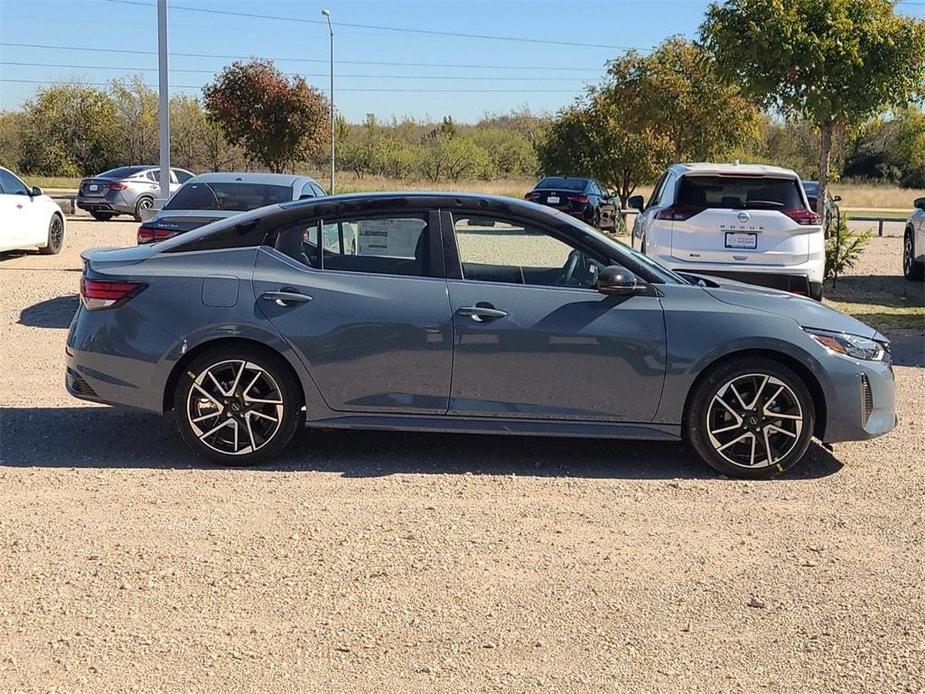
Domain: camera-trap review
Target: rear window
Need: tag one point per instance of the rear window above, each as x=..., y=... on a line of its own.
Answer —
x=237, y=197
x=740, y=192
x=562, y=183
x=123, y=172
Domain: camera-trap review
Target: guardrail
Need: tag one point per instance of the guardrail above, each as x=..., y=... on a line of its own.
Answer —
x=880, y=220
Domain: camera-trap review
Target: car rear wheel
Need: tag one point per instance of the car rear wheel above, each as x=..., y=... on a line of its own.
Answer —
x=751, y=417
x=143, y=203
x=55, y=236
x=237, y=405
x=912, y=270
x=102, y=216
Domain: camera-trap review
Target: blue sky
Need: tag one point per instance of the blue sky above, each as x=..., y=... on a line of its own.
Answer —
x=555, y=76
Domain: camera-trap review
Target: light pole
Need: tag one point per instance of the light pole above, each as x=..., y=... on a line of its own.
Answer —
x=164, y=106
x=327, y=14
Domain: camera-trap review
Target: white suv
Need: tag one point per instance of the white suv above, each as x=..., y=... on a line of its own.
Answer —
x=743, y=222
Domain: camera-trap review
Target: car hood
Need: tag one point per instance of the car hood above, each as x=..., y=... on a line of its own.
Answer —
x=805, y=311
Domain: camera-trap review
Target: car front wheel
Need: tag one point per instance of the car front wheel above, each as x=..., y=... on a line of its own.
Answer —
x=237, y=405
x=751, y=417
x=55, y=240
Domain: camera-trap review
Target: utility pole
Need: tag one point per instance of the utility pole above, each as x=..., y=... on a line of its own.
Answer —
x=327, y=14
x=164, y=114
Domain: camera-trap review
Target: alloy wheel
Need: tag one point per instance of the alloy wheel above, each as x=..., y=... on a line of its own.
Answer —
x=907, y=255
x=235, y=407
x=754, y=420
x=56, y=232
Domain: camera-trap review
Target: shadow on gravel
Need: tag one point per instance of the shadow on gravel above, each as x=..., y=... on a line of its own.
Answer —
x=51, y=313
x=102, y=437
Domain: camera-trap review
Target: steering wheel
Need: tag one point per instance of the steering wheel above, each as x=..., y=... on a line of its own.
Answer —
x=571, y=265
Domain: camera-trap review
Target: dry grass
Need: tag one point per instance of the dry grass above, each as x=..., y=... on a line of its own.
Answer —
x=868, y=196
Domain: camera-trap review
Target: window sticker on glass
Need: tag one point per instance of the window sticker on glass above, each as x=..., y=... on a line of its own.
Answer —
x=395, y=238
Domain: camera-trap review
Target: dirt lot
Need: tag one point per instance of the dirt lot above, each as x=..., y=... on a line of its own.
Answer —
x=400, y=562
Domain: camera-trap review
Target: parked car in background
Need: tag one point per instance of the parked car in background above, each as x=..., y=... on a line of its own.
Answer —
x=28, y=218
x=463, y=313
x=125, y=190
x=213, y=196
x=812, y=195
x=914, y=244
x=745, y=222
x=583, y=198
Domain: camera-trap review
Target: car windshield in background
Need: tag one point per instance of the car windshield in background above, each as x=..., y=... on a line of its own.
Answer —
x=237, y=197
x=740, y=192
x=811, y=188
x=561, y=183
x=123, y=172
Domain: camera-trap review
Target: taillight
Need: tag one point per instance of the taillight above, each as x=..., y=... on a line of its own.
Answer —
x=802, y=216
x=678, y=213
x=531, y=195
x=115, y=186
x=151, y=235
x=578, y=198
x=98, y=294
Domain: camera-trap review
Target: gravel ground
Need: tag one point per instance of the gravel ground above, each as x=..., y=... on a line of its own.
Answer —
x=405, y=562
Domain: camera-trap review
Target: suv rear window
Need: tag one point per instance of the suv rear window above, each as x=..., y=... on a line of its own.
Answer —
x=238, y=197
x=562, y=183
x=740, y=192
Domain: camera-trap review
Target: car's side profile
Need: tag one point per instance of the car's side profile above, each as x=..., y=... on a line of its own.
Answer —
x=209, y=197
x=583, y=198
x=28, y=218
x=462, y=313
x=914, y=244
x=746, y=222
x=127, y=190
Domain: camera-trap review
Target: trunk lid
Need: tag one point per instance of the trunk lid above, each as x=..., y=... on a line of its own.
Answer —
x=94, y=187
x=181, y=221
x=105, y=260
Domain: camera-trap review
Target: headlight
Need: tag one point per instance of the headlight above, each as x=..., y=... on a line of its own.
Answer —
x=851, y=345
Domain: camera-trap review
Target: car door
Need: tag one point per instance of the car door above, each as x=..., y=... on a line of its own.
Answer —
x=23, y=217
x=604, y=204
x=362, y=299
x=533, y=337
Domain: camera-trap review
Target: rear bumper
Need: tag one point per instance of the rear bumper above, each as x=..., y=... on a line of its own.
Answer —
x=104, y=205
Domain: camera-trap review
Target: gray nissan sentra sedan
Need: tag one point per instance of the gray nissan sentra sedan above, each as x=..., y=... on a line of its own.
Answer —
x=463, y=313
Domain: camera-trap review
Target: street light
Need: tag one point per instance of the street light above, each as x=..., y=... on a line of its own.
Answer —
x=327, y=14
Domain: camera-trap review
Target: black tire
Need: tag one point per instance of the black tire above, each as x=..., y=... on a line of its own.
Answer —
x=642, y=245
x=816, y=291
x=596, y=219
x=55, y=235
x=740, y=449
x=145, y=202
x=197, y=397
x=912, y=270
x=102, y=216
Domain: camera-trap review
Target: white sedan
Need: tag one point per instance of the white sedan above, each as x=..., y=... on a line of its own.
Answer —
x=28, y=218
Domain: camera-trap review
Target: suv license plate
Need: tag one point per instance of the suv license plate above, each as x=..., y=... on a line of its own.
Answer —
x=736, y=240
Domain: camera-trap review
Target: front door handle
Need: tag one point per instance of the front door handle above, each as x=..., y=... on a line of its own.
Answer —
x=480, y=314
x=286, y=297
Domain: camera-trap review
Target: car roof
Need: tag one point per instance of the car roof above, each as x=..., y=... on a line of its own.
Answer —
x=252, y=177
x=734, y=168
x=423, y=198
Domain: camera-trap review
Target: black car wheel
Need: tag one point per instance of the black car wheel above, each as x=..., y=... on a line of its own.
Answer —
x=912, y=271
x=750, y=418
x=237, y=405
x=55, y=236
x=143, y=203
x=102, y=216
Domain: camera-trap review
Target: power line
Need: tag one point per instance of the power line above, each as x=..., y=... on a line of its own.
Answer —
x=129, y=51
x=374, y=27
x=126, y=68
x=351, y=89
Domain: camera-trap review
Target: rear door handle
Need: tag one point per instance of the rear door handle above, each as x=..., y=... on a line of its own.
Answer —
x=481, y=314
x=286, y=297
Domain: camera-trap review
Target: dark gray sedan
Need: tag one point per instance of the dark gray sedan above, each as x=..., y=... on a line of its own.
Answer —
x=463, y=313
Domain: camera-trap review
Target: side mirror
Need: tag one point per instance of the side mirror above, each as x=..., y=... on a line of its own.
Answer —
x=637, y=202
x=836, y=198
x=616, y=279
x=35, y=192
x=920, y=203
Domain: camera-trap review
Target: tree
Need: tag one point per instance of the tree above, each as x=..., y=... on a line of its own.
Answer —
x=69, y=130
x=197, y=143
x=136, y=107
x=278, y=121
x=11, y=126
x=835, y=63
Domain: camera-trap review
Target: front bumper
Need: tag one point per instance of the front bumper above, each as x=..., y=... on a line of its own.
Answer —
x=861, y=403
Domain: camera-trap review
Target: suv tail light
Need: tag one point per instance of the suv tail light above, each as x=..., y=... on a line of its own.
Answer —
x=152, y=235
x=99, y=294
x=802, y=216
x=678, y=213
x=115, y=186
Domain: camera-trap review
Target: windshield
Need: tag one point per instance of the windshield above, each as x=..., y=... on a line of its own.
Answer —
x=236, y=197
x=811, y=188
x=562, y=183
x=123, y=172
x=740, y=192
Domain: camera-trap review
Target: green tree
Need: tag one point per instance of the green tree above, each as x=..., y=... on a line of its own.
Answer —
x=197, y=143
x=278, y=121
x=11, y=127
x=136, y=107
x=69, y=130
x=835, y=63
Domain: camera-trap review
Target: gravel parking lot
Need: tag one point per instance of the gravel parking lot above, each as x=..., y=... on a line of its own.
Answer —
x=406, y=562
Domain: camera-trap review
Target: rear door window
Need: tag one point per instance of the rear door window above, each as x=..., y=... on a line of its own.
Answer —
x=740, y=192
